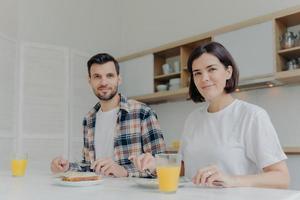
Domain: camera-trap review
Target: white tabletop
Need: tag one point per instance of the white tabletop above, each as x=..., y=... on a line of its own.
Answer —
x=41, y=186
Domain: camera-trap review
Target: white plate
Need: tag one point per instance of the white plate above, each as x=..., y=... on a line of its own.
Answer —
x=153, y=183
x=58, y=181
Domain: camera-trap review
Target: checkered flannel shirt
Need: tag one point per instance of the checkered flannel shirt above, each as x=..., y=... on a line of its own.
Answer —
x=137, y=132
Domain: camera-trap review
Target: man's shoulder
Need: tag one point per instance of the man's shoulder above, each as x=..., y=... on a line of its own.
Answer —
x=92, y=112
x=134, y=105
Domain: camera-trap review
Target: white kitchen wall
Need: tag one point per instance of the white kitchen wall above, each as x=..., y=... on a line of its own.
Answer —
x=89, y=26
x=9, y=18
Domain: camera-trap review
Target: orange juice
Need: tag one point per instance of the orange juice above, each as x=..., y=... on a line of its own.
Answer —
x=168, y=177
x=18, y=167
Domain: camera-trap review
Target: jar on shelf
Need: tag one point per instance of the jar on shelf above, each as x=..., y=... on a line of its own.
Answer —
x=291, y=64
x=288, y=40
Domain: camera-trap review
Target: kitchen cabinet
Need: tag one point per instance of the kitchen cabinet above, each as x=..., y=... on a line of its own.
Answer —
x=137, y=76
x=283, y=24
x=252, y=49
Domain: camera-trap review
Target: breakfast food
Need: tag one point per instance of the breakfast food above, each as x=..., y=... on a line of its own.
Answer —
x=80, y=176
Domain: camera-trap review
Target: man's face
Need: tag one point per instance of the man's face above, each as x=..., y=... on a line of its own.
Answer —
x=104, y=80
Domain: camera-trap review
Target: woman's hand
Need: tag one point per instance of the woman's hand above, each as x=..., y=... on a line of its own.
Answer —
x=211, y=176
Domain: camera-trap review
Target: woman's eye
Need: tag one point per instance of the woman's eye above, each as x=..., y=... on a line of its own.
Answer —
x=197, y=73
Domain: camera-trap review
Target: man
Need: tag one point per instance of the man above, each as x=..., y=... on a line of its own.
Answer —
x=116, y=128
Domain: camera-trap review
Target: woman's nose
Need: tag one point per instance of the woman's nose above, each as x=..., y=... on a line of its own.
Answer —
x=204, y=77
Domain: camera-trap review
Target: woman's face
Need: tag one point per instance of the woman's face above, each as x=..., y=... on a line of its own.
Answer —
x=210, y=76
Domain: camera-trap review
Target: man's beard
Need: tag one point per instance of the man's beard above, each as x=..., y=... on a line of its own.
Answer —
x=109, y=97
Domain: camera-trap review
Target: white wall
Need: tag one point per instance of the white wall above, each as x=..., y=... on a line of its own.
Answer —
x=9, y=18
x=89, y=26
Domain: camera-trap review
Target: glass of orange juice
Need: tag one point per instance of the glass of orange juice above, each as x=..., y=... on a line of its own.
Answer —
x=168, y=169
x=19, y=164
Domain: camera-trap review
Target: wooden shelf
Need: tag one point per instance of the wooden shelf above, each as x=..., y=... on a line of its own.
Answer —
x=163, y=96
x=292, y=150
x=290, y=20
x=290, y=53
x=290, y=76
x=167, y=76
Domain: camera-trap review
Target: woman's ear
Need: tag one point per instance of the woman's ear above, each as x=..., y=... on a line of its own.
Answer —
x=229, y=72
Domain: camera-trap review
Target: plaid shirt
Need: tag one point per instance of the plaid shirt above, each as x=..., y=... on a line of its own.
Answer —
x=137, y=132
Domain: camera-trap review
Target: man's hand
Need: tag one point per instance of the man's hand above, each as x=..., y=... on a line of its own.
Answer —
x=108, y=167
x=144, y=162
x=59, y=164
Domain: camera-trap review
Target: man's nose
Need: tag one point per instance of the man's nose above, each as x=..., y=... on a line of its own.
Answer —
x=103, y=81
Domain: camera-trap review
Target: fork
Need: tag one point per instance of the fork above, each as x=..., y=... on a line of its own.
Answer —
x=148, y=172
x=85, y=166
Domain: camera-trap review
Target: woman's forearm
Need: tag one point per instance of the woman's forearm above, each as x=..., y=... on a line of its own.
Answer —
x=270, y=179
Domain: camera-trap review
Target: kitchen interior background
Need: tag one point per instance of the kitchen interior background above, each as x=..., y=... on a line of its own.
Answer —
x=66, y=33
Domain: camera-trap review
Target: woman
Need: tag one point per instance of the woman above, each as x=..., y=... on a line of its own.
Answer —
x=226, y=141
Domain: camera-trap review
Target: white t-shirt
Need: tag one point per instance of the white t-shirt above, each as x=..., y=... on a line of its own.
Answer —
x=240, y=139
x=104, y=133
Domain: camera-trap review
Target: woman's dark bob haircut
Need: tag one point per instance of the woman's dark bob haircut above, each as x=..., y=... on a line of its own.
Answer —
x=219, y=51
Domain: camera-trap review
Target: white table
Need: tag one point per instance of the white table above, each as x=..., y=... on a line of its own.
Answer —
x=39, y=186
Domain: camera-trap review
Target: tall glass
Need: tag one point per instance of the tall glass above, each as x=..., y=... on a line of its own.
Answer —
x=168, y=169
x=19, y=164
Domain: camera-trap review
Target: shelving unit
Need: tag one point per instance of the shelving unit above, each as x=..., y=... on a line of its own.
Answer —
x=161, y=58
x=178, y=54
x=282, y=25
x=292, y=150
x=163, y=96
x=167, y=76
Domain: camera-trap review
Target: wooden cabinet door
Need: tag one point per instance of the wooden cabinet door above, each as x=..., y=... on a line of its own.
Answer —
x=252, y=49
x=137, y=76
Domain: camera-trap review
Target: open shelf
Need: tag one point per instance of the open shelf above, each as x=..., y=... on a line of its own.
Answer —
x=284, y=24
x=292, y=150
x=167, y=76
x=290, y=76
x=290, y=53
x=163, y=96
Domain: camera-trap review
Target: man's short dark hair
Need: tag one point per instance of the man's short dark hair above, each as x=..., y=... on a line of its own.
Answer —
x=102, y=58
x=218, y=50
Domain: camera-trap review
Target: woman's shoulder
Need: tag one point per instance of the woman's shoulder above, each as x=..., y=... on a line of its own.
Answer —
x=249, y=108
x=199, y=111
